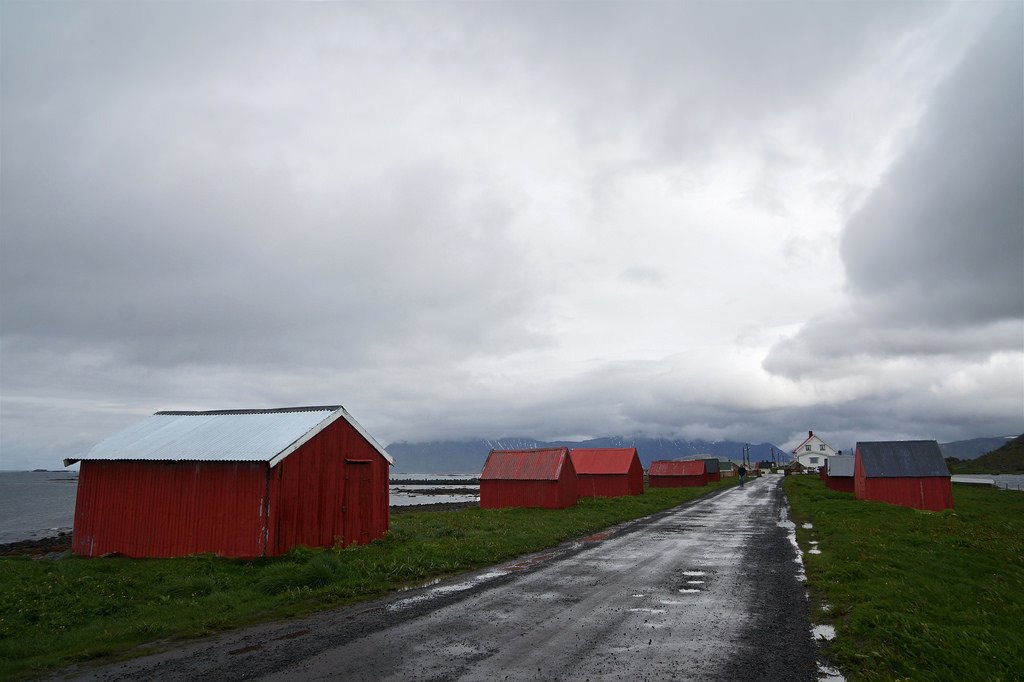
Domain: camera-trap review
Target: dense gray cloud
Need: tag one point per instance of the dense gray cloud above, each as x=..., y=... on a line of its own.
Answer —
x=934, y=256
x=481, y=219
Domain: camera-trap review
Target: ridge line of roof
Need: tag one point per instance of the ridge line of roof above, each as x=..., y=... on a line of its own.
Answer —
x=271, y=410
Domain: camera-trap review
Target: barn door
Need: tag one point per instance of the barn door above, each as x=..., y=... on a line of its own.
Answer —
x=357, y=511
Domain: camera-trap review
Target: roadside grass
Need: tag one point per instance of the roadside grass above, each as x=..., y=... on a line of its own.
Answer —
x=914, y=594
x=57, y=613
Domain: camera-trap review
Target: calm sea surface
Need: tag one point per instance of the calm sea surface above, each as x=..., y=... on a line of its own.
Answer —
x=39, y=504
x=36, y=504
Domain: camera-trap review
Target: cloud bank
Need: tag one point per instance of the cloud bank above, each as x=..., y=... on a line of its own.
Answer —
x=542, y=219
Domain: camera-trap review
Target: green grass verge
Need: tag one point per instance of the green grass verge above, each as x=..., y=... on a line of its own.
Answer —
x=917, y=595
x=56, y=613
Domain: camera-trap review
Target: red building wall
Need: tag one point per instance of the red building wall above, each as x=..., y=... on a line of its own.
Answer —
x=332, y=490
x=613, y=485
x=677, y=481
x=716, y=476
x=933, y=493
x=165, y=509
x=843, y=484
x=548, y=494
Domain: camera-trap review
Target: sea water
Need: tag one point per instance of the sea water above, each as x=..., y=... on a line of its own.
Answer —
x=40, y=504
x=36, y=504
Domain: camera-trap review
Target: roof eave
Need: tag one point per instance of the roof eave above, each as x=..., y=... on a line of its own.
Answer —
x=340, y=413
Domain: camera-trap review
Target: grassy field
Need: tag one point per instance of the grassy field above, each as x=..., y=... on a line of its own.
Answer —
x=917, y=595
x=55, y=613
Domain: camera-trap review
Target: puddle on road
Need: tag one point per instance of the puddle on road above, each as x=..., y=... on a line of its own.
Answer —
x=446, y=589
x=687, y=590
x=641, y=609
x=694, y=573
x=694, y=582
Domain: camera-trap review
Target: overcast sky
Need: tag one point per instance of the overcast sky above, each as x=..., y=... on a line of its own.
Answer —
x=547, y=219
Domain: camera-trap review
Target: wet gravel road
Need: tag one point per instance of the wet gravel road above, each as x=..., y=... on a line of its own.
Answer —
x=706, y=591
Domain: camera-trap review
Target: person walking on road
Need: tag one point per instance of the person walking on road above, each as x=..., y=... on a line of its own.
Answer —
x=742, y=472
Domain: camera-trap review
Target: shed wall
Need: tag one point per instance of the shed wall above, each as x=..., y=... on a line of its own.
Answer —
x=167, y=509
x=843, y=484
x=331, y=491
x=933, y=493
x=677, y=481
x=613, y=485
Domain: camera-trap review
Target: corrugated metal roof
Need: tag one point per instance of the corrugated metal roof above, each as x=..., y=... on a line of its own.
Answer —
x=222, y=435
x=841, y=466
x=525, y=465
x=902, y=459
x=603, y=460
x=662, y=467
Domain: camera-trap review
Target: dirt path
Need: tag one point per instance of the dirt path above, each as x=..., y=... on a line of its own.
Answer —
x=707, y=591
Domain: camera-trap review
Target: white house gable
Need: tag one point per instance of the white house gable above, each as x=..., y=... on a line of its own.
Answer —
x=813, y=452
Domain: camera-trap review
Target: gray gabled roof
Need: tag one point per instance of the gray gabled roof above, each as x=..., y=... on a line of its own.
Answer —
x=841, y=466
x=223, y=435
x=901, y=459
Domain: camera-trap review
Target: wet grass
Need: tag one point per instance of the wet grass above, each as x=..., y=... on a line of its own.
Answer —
x=913, y=594
x=57, y=613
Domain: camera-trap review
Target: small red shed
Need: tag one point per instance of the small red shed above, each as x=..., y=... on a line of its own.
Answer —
x=236, y=483
x=665, y=473
x=909, y=473
x=528, y=478
x=608, y=472
x=839, y=472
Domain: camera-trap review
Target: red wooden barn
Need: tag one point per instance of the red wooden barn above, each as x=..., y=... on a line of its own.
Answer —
x=909, y=473
x=839, y=471
x=528, y=478
x=608, y=472
x=237, y=483
x=676, y=474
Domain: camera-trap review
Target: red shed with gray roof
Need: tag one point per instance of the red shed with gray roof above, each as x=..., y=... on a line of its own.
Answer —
x=608, y=472
x=528, y=478
x=909, y=473
x=236, y=483
x=665, y=473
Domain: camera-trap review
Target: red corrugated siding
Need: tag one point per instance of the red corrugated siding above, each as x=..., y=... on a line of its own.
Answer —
x=843, y=484
x=557, y=494
x=332, y=490
x=165, y=509
x=934, y=493
x=657, y=481
x=613, y=485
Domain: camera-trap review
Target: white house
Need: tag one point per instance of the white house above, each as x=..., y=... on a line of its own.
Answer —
x=813, y=452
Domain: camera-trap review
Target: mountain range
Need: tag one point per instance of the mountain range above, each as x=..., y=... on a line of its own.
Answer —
x=468, y=456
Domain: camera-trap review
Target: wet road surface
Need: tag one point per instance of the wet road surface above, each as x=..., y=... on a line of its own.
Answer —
x=706, y=591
